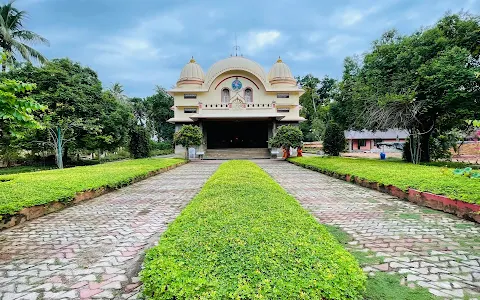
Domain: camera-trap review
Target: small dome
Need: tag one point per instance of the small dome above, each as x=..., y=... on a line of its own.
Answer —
x=192, y=73
x=280, y=73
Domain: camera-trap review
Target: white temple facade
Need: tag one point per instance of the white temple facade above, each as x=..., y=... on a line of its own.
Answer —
x=236, y=103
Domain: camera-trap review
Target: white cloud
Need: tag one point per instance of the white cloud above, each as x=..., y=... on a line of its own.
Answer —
x=256, y=41
x=351, y=16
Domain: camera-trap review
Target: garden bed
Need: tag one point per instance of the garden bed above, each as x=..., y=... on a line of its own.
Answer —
x=244, y=237
x=30, y=195
x=430, y=186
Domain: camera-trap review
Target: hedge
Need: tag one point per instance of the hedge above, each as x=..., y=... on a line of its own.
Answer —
x=436, y=180
x=18, y=191
x=244, y=237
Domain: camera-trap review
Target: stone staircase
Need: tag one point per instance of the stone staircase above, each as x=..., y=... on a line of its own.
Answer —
x=237, y=153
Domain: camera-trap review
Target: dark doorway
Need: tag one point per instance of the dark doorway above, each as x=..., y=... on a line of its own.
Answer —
x=237, y=134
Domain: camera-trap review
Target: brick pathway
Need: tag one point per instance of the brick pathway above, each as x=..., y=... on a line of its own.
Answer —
x=434, y=250
x=94, y=250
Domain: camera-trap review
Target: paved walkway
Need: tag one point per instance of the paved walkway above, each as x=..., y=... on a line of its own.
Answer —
x=433, y=249
x=95, y=249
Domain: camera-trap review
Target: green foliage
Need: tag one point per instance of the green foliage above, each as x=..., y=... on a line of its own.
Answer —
x=139, y=145
x=426, y=81
x=187, y=136
x=14, y=37
x=334, y=141
x=402, y=175
x=16, y=107
x=38, y=188
x=244, y=237
x=158, y=110
x=287, y=136
x=22, y=169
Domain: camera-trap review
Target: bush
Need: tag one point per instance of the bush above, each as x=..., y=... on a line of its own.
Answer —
x=334, y=141
x=160, y=145
x=244, y=237
x=403, y=175
x=139, y=142
x=287, y=136
x=187, y=136
x=38, y=188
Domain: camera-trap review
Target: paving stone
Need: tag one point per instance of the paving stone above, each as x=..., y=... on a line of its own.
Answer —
x=62, y=253
x=431, y=250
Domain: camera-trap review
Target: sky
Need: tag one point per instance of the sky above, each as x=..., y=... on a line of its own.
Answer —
x=145, y=43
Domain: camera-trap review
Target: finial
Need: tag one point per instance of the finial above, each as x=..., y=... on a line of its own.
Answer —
x=192, y=60
x=279, y=60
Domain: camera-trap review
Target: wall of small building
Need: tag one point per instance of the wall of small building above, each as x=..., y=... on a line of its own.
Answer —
x=369, y=144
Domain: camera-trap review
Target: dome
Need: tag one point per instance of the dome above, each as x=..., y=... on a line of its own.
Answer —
x=280, y=73
x=235, y=63
x=192, y=73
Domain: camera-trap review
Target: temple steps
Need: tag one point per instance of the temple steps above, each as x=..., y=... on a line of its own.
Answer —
x=237, y=153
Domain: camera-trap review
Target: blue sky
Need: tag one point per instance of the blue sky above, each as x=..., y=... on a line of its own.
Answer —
x=144, y=43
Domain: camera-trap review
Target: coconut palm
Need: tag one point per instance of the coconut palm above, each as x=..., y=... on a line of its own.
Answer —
x=13, y=36
x=117, y=91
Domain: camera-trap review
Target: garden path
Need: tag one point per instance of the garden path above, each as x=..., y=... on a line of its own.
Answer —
x=433, y=249
x=95, y=249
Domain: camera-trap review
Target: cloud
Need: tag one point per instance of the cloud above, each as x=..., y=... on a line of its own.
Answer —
x=259, y=40
x=351, y=16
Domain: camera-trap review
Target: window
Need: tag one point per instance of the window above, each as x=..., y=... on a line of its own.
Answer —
x=248, y=95
x=362, y=143
x=225, y=95
x=283, y=95
x=190, y=110
x=283, y=110
x=189, y=96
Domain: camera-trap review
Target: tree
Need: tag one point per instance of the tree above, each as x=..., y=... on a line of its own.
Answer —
x=117, y=92
x=158, y=111
x=334, y=141
x=139, y=142
x=13, y=35
x=434, y=67
x=73, y=95
x=286, y=137
x=187, y=136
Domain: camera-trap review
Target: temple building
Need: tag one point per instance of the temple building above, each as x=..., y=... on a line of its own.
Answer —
x=236, y=104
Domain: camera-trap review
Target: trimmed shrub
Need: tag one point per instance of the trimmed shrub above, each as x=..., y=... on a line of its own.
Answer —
x=38, y=188
x=440, y=181
x=287, y=136
x=139, y=145
x=187, y=136
x=244, y=237
x=334, y=141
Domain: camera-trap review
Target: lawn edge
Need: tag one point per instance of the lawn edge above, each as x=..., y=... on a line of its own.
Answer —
x=465, y=210
x=33, y=212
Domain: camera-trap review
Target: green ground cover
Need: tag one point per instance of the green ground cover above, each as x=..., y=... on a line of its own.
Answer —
x=23, y=169
x=244, y=237
x=18, y=191
x=431, y=179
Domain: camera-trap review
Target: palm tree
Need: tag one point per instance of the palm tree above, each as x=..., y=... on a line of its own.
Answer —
x=13, y=36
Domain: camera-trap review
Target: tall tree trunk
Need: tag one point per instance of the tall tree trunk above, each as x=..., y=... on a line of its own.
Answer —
x=4, y=67
x=425, y=147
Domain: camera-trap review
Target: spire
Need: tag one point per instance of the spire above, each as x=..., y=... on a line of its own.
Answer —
x=279, y=60
x=192, y=60
x=236, y=47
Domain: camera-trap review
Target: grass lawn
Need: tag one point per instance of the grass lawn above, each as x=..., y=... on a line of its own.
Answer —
x=431, y=179
x=244, y=237
x=18, y=191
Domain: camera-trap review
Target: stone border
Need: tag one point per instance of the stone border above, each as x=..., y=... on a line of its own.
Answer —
x=30, y=213
x=468, y=211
